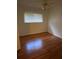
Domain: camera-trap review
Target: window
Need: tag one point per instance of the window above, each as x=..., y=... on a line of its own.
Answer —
x=33, y=18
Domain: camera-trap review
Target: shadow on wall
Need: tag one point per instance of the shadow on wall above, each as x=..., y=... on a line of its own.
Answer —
x=55, y=19
x=55, y=28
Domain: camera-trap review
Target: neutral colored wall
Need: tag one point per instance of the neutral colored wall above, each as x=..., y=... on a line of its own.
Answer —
x=25, y=29
x=55, y=19
x=52, y=21
x=18, y=42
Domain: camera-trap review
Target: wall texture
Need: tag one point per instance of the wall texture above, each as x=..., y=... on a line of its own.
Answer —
x=55, y=19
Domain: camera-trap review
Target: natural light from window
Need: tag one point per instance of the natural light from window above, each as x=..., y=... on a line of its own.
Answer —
x=33, y=18
x=34, y=45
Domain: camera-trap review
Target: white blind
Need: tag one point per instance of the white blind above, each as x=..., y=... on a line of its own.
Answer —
x=33, y=18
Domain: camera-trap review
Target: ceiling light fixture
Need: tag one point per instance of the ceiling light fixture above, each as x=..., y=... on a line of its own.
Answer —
x=44, y=5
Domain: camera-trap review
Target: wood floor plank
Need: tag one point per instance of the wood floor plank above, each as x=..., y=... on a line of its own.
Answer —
x=40, y=46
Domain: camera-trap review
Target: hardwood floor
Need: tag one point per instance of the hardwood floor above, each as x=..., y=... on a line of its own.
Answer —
x=40, y=46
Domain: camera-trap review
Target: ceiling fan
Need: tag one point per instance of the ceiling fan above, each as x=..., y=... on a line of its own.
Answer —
x=46, y=4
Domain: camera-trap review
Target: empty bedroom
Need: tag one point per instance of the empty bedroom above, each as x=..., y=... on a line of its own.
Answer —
x=39, y=27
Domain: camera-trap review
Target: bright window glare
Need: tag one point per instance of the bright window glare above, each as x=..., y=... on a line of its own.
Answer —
x=33, y=18
x=34, y=45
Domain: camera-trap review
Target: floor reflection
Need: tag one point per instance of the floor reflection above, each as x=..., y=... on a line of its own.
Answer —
x=34, y=45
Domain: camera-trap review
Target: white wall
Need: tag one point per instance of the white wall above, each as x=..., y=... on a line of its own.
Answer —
x=52, y=21
x=55, y=19
x=24, y=28
x=18, y=42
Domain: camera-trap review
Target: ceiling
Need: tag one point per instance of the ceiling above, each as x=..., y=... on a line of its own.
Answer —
x=33, y=3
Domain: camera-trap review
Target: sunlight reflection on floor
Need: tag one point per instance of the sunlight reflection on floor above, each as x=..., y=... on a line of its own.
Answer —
x=34, y=45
